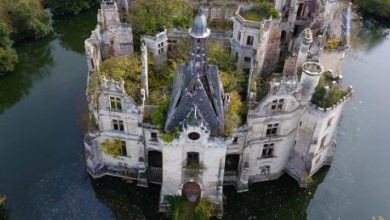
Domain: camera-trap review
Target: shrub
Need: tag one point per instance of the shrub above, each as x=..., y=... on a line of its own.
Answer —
x=168, y=136
x=325, y=99
x=333, y=44
x=262, y=89
x=2, y=200
x=232, y=117
x=112, y=147
x=127, y=68
x=203, y=210
x=261, y=10
x=159, y=116
x=175, y=205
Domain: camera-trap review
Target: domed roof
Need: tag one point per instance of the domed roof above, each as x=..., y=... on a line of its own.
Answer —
x=199, y=27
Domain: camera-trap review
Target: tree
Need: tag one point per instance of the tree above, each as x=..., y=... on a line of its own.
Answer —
x=379, y=8
x=69, y=6
x=8, y=56
x=8, y=59
x=149, y=17
x=29, y=20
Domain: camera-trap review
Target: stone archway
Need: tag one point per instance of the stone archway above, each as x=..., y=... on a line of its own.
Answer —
x=191, y=191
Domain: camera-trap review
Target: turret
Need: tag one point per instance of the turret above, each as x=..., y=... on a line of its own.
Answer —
x=307, y=39
x=311, y=73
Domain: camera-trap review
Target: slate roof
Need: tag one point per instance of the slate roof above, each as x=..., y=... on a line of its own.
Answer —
x=203, y=93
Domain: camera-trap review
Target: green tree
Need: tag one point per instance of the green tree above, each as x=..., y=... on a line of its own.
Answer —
x=8, y=59
x=8, y=55
x=69, y=6
x=379, y=8
x=29, y=19
x=149, y=17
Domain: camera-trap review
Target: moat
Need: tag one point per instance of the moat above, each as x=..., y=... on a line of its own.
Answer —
x=42, y=165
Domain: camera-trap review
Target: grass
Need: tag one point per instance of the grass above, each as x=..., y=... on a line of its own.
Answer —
x=251, y=15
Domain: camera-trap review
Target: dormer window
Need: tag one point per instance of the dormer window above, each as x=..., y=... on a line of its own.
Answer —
x=115, y=104
x=277, y=105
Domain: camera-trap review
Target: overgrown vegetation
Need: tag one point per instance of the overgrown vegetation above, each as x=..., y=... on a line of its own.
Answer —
x=378, y=8
x=175, y=204
x=112, y=147
x=149, y=17
x=160, y=83
x=159, y=116
x=8, y=55
x=20, y=20
x=204, y=209
x=180, y=208
x=327, y=98
x=2, y=200
x=127, y=68
x=332, y=44
x=192, y=169
x=233, y=115
x=169, y=136
x=220, y=25
x=262, y=88
x=261, y=10
x=69, y=6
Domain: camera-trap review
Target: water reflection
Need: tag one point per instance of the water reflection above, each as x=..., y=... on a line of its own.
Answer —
x=35, y=61
x=373, y=33
x=126, y=200
x=72, y=34
x=279, y=199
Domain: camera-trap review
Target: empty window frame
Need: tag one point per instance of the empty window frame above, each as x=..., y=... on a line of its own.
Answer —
x=247, y=59
x=249, y=40
x=123, y=149
x=115, y=104
x=272, y=129
x=153, y=136
x=268, y=151
x=118, y=125
x=193, y=158
x=265, y=170
x=277, y=105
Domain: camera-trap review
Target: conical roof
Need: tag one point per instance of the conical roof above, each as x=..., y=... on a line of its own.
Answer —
x=199, y=27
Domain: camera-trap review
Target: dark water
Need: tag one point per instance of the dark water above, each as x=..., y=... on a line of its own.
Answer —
x=42, y=170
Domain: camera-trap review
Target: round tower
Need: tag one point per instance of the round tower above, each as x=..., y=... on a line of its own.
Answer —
x=311, y=73
x=307, y=39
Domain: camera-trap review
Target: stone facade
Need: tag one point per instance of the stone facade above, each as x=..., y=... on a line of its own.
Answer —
x=284, y=132
x=157, y=47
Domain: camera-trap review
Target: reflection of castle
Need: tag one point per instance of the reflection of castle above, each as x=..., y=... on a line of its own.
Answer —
x=284, y=132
